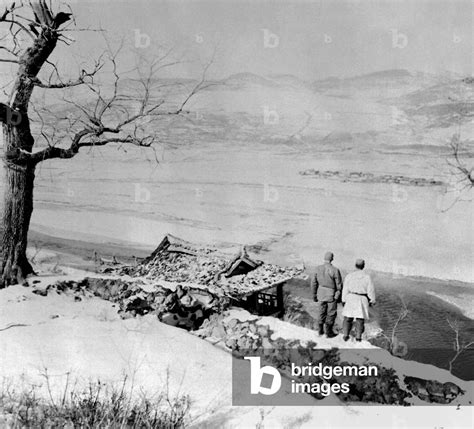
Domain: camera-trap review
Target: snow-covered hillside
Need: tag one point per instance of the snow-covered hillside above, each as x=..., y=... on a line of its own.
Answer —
x=56, y=339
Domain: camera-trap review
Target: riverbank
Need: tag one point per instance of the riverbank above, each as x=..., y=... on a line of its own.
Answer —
x=425, y=330
x=62, y=343
x=456, y=295
x=236, y=192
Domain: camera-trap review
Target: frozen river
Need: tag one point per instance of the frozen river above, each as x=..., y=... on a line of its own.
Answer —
x=257, y=197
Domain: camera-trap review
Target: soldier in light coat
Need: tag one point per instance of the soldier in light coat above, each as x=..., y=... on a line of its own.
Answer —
x=357, y=294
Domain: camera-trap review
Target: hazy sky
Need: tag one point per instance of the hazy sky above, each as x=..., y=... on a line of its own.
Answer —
x=311, y=39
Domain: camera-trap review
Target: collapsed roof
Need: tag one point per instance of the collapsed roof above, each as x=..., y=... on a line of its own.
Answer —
x=177, y=260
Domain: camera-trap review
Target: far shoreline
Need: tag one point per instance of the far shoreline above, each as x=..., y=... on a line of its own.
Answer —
x=79, y=253
x=126, y=251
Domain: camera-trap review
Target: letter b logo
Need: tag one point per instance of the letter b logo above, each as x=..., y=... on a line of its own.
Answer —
x=256, y=375
x=270, y=40
x=142, y=40
x=399, y=40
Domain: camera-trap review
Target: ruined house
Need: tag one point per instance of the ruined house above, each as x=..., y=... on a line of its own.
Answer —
x=246, y=282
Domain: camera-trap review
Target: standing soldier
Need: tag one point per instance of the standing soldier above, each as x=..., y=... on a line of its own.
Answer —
x=357, y=295
x=326, y=286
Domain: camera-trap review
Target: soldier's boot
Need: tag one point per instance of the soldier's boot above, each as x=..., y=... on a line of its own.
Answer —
x=321, y=329
x=360, y=327
x=329, y=332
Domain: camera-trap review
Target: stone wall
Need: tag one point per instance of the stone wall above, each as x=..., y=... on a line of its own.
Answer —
x=242, y=337
x=249, y=337
x=132, y=299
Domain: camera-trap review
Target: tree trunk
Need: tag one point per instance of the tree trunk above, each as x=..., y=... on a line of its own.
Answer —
x=18, y=140
x=18, y=206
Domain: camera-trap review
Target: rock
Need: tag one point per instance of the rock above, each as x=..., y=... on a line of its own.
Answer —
x=252, y=336
x=244, y=343
x=231, y=343
x=451, y=389
x=263, y=330
x=206, y=325
x=124, y=314
x=114, y=290
x=138, y=305
x=243, y=327
x=213, y=340
x=317, y=355
x=432, y=391
x=218, y=331
x=158, y=300
x=231, y=324
x=434, y=388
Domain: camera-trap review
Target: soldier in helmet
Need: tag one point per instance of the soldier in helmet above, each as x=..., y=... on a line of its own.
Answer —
x=326, y=286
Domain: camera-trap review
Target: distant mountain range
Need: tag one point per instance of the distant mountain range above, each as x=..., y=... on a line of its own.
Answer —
x=383, y=76
x=386, y=80
x=392, y=107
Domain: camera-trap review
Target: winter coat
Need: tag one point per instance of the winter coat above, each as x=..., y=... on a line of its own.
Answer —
x=357, y=293
x=326, y=283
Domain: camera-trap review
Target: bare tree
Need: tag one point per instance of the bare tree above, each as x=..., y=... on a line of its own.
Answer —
x=394, y=344
x=461, y=172
x=459, y=163
x=103, y=116
x=459, y=345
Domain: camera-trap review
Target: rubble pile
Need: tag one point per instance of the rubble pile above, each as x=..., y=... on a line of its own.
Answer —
x=179, y=261
x=235, y=335
x=253, y=337
x=130, y=296
x=179, y=267
x=263, y=276
x=433, y=391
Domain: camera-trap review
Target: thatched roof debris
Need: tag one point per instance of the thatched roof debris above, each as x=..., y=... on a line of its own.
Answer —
x=241, y=263
x=180, y=261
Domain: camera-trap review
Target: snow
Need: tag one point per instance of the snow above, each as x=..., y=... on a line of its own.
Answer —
x=243, y=188
x=288, y=331
x=86, y=340
x=461, y=301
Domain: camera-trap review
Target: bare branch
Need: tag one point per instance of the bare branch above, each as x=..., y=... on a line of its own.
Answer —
x=457, y=163
x=4, y=60
x=56, y=152
x=82, y=79
x=459, y=346
x=110, y=114
x=200, y=85
x=392, y=339
x=12, y=52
